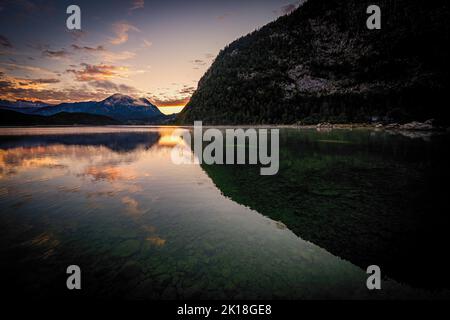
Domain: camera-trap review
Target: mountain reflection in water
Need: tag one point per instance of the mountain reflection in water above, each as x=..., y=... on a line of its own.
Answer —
x=111, y=201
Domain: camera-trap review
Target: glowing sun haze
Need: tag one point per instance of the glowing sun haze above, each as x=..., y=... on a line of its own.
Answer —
x=153, y=49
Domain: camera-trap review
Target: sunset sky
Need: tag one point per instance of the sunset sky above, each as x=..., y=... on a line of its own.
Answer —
x=143, y=48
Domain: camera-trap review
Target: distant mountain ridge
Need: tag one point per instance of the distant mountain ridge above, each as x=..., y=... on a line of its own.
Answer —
x=23, y=104
x=122, y=108
x=13, y=118
x=321, y=63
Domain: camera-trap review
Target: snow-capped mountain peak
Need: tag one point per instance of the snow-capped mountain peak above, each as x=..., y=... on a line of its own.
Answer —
x=122, y=108
x=124, y=100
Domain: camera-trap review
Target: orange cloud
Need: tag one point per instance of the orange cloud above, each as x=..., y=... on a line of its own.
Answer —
x=121, y=29
x=7, y=82
x=12, y=88
x=90, y=72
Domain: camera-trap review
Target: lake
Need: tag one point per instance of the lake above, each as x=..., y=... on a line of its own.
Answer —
x=110, y=200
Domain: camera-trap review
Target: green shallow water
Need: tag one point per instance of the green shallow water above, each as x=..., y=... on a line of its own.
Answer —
x=140, y=227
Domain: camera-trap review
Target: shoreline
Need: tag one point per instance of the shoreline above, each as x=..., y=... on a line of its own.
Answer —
x=412, y=126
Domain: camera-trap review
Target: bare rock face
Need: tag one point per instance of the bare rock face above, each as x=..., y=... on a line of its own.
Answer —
x=324, y=125
x=418, y=126
x=322, y=64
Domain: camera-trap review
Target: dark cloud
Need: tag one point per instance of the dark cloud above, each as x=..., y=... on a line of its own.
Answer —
x=38, y=46
x=112, y=87
x=5, y=84
x=88, y=49
x=187, y=90
x=77, y=34
x=4, y=42
x=24, y=82
x=56, y=54
x=104, y=84
x=101, y=52
x=198, y=62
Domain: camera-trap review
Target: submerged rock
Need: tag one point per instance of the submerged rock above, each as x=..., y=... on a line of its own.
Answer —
x=130, y=270
x=392, y=126
x=324, y=125
x=170, y=293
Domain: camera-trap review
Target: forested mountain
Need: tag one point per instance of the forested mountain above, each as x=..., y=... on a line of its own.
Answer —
x=322, y=63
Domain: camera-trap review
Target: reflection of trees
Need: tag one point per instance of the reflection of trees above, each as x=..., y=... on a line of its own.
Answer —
x=363, y=197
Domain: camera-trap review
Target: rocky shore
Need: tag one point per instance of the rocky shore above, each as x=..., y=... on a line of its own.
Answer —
x=428, y=125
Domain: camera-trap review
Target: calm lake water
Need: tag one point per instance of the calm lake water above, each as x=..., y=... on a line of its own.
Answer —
x=110, y=200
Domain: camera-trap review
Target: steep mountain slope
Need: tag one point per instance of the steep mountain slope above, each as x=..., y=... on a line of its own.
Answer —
x=321, y=63
x=119, y=107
